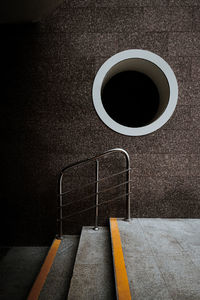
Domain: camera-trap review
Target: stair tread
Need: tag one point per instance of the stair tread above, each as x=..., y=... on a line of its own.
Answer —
x=58, y=280
x=160, y=260
x=93, y=276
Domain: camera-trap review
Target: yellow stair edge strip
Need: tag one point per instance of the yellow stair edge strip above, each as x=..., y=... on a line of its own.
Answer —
x=121, y=278
x=41, y=278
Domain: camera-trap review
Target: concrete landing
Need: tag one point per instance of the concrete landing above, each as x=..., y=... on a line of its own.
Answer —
x=93, y=276
x=58, y=280
x=162, y=258
x=19, y=267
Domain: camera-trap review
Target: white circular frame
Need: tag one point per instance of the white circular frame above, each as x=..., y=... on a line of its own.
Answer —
x=158, y=65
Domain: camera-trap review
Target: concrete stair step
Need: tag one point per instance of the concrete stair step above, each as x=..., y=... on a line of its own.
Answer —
x=57, y=284
x=93, y=276
x=141, y=259
x=53, y=280
x=121, y=278
x=162, y=258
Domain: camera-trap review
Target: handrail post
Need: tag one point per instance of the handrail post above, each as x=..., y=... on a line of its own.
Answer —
x=128, y=189
x=97, y=196
x=128, y=213
x=61, y=207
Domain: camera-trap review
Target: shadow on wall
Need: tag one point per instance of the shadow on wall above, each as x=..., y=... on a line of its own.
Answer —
x=12, y=11
x=28, y=189
x=32, y=151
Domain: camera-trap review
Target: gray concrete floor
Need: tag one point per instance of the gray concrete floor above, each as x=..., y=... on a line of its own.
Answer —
x=93, y=277
x=162, y=258
x=19, y=267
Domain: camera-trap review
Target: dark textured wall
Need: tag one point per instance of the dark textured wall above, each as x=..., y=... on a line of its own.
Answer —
x=48, y=119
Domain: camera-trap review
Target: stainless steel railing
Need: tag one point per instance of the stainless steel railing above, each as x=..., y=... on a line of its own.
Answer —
x=97, y=192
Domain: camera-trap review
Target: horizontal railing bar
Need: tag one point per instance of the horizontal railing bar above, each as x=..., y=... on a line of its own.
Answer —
x=94, y=194
x=105, y=202
x=77, y=213
x=88, y=184
x=91, y=207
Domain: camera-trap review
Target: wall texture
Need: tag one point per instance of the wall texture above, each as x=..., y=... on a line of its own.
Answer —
x=48, y=120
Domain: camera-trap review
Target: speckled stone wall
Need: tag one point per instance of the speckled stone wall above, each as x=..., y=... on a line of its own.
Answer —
x=48, y=120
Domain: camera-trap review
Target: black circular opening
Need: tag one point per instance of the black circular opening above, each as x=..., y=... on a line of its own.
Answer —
x=131, y=99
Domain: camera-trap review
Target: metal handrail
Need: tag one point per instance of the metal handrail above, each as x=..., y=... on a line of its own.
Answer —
x=94, y=194
x=93, y=206
x=100, y=180
x=96, y=206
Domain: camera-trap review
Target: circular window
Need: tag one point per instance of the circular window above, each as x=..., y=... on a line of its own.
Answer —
x=135, y=92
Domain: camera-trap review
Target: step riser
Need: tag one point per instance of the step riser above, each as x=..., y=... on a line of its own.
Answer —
x=93, y=276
